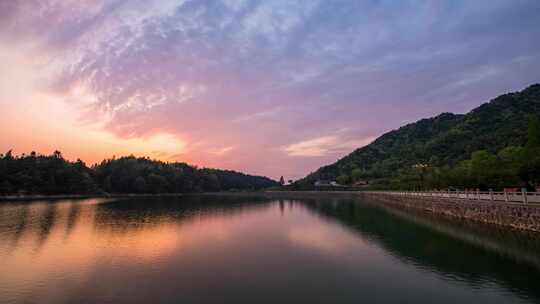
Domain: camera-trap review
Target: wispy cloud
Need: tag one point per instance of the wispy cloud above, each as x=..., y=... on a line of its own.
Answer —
x=220, y=151
x=272, y=78
x=325, y=145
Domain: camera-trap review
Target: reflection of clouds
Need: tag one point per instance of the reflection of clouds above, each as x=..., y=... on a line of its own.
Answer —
x=142, y=243
x=328, y=239
x=52, y=240
x=151, y=240
x=43, y=242
x=39, y=223
x=195, y=243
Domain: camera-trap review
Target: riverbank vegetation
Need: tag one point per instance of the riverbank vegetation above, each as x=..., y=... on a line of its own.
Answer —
x=52, y=174
x=492, y=146
x=511, y=167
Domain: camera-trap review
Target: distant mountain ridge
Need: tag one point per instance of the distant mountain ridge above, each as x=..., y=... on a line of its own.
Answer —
x=442, y=140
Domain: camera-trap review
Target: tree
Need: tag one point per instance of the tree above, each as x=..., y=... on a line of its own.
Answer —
x=57, y=154
x=444, y=140
x=530, y=169
x=421, y=171
x=483, y=168
x=157, y=183
x=51, y=186
x=211, y=182
x=530, y=174
x=343, y=179
x=52, y=174
x=533, y=132
x=511, y=161
x=140, y=184
x=356, y=174
x=281, y=181
x=6, y=187
x=107, y=184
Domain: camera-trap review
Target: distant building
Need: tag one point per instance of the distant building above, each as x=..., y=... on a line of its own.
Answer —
x=326, y=183
x=361, y=183
x=321, y=183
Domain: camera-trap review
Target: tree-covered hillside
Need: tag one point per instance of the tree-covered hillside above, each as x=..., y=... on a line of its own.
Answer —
x=438, y=142
x=52, y=174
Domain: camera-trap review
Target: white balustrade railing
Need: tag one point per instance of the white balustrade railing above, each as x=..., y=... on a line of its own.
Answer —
x=506, y=196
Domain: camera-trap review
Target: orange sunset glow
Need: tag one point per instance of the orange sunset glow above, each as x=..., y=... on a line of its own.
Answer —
x=269, y=151
x=95, y=80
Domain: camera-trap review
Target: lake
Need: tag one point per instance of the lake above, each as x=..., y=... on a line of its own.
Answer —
x=213, y=249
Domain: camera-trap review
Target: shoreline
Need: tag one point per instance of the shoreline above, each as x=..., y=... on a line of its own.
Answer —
x=23, y=198
x=507, y=215
x=511, y=216
x=29, y=198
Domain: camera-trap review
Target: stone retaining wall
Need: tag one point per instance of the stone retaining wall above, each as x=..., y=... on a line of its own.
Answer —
x=514, y=215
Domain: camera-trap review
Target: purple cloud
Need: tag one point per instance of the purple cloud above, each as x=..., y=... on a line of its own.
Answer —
x=278, y=87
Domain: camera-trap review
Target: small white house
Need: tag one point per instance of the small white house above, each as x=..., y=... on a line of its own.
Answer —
x=323, y=183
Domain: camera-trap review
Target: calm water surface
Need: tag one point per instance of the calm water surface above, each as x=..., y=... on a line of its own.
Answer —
x=247, y=250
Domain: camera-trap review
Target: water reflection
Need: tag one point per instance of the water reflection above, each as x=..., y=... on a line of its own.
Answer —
x=478, y=255
x=73, y=216
x=19, y=224
x=247, y=249
x=46, y=220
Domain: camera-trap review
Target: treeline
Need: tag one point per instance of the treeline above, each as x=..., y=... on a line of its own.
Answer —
x=52, y=174
x=449, y=150
x=510, y=167
x=513, y=166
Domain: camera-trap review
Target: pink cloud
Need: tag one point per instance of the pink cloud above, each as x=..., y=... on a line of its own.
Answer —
x=264, y=87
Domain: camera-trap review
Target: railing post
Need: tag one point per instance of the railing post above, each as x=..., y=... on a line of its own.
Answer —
x=524, y=195
x=491, y=194
x=505, y=196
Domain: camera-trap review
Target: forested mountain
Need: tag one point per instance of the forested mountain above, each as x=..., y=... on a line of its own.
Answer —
x=52, y=174
x=442, y=142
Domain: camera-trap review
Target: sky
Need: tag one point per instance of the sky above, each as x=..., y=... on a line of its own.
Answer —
x=265, y=87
